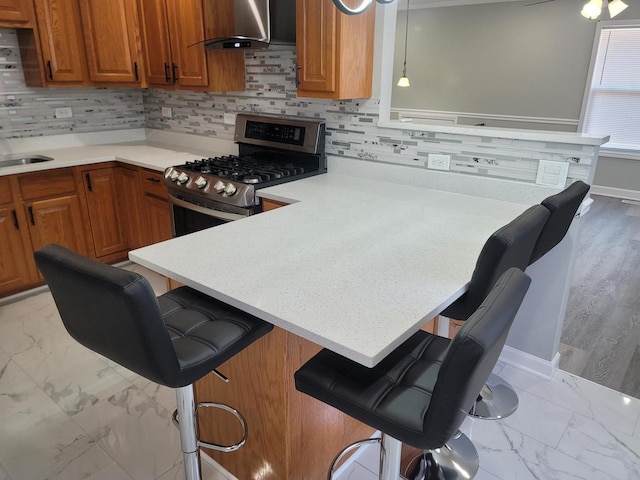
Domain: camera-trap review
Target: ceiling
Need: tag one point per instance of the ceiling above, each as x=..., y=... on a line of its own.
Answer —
x=402, y=4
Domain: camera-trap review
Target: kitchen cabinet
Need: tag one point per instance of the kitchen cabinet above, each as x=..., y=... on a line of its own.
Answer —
x=133, y=208
x=271, y=204
x=103, y=193
x=17, y=269
x=62, y=43
x=16, y=13
x=168, y=28
x=156, y=206
x=112, y=40
x=53, y=209
x=335, y=51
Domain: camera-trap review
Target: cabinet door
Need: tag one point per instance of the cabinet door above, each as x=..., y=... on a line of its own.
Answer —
x=111, y=39
x=186, y=27
x=14, y=13
x=134, y=217
x=57, y=220
x=155, y=32
x=14, y=260
x=61, y=39
x=316, y=45
x=160, y=223
x=102, y=189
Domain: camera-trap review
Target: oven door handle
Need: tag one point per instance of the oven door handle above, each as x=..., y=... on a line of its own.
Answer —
x=206, y=211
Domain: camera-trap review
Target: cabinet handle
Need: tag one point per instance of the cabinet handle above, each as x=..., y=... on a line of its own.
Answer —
x=154, y=180
x=15, y=220
x=50, y=69
x=33, y=220
x=174, y=69
x=167, y=75
x=88, y=177
x=297, y=68
x=135, y=71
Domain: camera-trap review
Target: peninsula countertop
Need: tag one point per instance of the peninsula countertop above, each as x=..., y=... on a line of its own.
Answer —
x=356, y=269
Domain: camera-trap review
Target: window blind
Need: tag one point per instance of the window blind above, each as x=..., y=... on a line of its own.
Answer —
x=613, y=106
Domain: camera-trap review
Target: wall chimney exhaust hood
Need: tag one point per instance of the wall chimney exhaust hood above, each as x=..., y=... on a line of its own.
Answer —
x=258, y=24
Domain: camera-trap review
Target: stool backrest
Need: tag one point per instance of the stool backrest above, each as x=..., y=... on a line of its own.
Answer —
x=510, y=246
x=472, y=354
x=563, y=207
x=111, y=311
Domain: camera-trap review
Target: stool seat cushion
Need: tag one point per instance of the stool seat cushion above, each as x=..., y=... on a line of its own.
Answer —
x=206, y=332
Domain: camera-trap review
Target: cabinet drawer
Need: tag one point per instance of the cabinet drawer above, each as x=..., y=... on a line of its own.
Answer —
x=152, y=183
x=5, y=191
x=46, y=183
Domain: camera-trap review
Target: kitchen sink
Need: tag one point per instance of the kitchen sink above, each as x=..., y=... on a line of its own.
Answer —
x=23, y=160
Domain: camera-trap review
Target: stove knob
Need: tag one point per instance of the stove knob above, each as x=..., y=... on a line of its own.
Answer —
x=174, y=175
x=219, y=186
x=230, y=189
x=183, y=178
x=201, y=182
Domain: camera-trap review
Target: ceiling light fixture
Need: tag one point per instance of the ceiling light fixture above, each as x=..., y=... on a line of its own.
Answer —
x=404, y=80
x=593, y=8
x=359, y=9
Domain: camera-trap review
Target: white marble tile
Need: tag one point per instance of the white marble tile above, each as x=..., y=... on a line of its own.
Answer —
x=135, y=431
x=165, y=396
x=602, y=447
x=586, y=398
x=17, y=390
x=74, y=377
x=3, y=474
x=113, y=471
x=484, y=475
x=509, y=455
x=208, y=473
x=43, y=442
x=539, y=419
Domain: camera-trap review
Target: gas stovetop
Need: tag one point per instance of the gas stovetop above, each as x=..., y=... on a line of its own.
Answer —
x=272, y=150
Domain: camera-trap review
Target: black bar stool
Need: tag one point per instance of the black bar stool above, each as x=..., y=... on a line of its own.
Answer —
x=421, y=392
x=509, y=246
x=562, y=207
x=173, y=340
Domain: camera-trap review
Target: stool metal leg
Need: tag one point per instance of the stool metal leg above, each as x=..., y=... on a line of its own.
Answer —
x=457, y=460
x=497, y=400
x=188, y=437
x=346, y=450
x=390, y=456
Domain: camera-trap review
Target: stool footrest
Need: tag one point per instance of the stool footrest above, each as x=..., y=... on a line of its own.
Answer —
x=348, y=449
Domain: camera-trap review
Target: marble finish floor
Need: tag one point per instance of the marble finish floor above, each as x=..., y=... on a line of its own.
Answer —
x=67, y=413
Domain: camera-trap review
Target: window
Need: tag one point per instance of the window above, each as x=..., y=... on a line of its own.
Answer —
x=611, y=104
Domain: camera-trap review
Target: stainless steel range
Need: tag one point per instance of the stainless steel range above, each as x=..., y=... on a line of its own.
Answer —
x=271, y=150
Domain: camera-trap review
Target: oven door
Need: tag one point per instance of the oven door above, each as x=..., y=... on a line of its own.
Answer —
x=189, y=217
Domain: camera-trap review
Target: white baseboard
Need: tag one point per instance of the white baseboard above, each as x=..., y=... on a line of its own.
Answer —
x=615, y=192
x=530, y=363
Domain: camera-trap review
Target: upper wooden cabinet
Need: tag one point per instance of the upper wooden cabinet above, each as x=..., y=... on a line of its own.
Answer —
x=169, y=27
x=63, y=53
x=335, y=50
x=112, y=41
x=16, y=13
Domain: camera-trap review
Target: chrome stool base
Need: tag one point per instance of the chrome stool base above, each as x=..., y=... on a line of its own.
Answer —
x=457, y=460
x=497, y=400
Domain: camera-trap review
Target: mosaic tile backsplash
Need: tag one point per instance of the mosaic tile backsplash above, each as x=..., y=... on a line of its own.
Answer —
x=270, y=88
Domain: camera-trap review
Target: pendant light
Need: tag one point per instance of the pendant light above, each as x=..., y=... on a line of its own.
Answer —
x=615, y=7
x=359, y=9
x=593, y=8
x=404, y=80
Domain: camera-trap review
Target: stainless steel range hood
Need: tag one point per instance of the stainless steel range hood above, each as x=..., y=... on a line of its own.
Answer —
x=259, y=24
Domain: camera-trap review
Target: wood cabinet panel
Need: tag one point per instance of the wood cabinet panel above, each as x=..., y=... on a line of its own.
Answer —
x=160, y=224
x=14, y=266
x=133, y=211
x=112, y=41
x=103, y=193
x=152, y=183
x=271, y=204
x=61, y=39
x=5, y=191
x=157, y=45
x=15, y=13
x=186, y=27
x=57, y=220
x=334, y=50
x=45, y=184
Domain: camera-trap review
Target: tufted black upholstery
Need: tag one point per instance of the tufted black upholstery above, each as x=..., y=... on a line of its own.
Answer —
x=173, y=340
x=421, y=392
x=510, y=246
x=563, y=207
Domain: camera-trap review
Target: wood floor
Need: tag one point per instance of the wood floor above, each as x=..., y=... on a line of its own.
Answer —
x=601, y=336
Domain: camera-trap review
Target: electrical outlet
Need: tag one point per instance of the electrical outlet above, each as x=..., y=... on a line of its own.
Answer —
x=437, y=161
x=230, y=118
x=166, y=112
x=63, y=112
x=552, y=174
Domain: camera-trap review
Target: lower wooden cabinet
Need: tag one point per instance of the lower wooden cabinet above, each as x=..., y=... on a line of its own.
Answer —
x=156, y=205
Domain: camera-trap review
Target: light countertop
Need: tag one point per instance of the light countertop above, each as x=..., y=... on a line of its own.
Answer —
x=354, y=269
